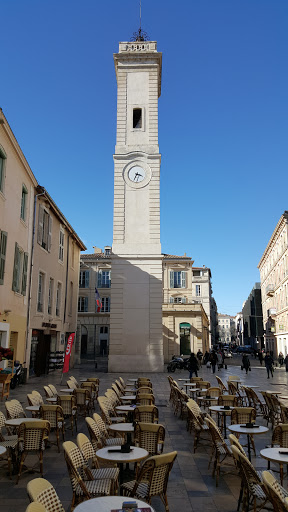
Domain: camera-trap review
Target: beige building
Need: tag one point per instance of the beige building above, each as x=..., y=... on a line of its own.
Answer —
x=17, y=185
x=226, y=328
x=202, y=294
x=185, y=324
x=273, y=268
x=54, y=285
x=39, y=268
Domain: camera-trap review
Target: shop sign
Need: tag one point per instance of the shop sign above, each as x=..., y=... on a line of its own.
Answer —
x=47, y=324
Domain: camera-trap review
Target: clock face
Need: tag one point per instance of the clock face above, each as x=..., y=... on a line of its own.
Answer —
x=136, y=174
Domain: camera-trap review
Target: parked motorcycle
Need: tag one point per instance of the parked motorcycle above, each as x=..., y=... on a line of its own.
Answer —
x=18, y=376
x=177, y=363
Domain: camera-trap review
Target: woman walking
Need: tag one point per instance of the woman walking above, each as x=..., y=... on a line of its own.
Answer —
x=269, y=364
x=193, y=365
x=246, y=362
x=213, y=360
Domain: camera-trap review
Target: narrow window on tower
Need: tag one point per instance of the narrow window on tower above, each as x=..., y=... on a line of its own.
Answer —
x=137, y=117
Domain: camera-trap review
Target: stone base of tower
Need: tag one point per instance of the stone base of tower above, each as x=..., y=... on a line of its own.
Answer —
x=136, y=339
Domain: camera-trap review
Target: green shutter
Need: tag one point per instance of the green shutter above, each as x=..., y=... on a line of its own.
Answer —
x=49, y=233
x=3, y=246
x=16, y=269
x=40, y=224
x=183, y=279
x=24, y=273
x=171, y=279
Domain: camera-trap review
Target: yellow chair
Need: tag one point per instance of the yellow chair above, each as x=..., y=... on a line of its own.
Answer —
x=41, y=492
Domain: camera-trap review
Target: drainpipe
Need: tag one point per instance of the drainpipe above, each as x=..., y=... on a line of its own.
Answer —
x=31, y=267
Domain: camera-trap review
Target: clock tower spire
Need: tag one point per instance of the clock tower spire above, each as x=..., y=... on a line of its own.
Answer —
x=136, y=273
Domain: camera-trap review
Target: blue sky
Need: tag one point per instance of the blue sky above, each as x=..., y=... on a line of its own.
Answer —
x=223, y=120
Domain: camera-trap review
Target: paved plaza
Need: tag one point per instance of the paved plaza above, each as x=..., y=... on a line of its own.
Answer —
x=191, y=486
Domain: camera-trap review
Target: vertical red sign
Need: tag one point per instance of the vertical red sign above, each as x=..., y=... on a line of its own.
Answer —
x=68, y=353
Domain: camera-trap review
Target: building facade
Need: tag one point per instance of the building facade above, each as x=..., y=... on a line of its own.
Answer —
x=202, y=294
x=273, y=268
x=226, y=328
x=253, y=319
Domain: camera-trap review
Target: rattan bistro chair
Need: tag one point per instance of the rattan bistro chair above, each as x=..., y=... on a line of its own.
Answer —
x=40, y=491
x=107, y=440
x=32, y=436
x=106, y=473
x=150, y=436
x=280, y=438
x=48, y=392
x=276, y=493
x=14, y=409
x=68, y=404
x=54, y=414
x=9, y=443
x=244, y=415
x=146, y=413
x=53, y=389
x=35, y=507
x=83, y=485
x=38, y=397
x=221, y=385
x=221, y=451
x=152, y=479
x=83, y=400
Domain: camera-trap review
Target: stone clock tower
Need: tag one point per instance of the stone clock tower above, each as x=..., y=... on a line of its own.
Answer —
x=136, y=342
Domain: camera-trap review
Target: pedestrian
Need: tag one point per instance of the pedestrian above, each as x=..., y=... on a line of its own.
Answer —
x=246, y=362
x=213, y=360
x=193, y=365
x=269, y=364
x=286, y=362
x=260, y=357
x=199, y=357
x=281, y=358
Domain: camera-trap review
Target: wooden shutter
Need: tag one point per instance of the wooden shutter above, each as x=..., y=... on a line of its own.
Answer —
x=3, y=246
x=86, y=279
x=85, y=304
x=183, y=279
x=171, y=279
x=16, y=269
x=99, y=281
x=49, y=233
x=24, y=273
x=40, y=224
x=183, y=300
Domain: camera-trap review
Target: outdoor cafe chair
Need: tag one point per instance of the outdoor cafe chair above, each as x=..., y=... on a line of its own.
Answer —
x=32, y=436
x=150, y=436
x=41, y=492
x=14, y=409
x=54, y=414
x=146, y=413
x=9, y=442
x=48, y=392
x=221, y=451
x=69, y=408
x=107, y=440
x=276, y=493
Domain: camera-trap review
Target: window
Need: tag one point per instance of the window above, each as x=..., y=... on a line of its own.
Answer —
x=58, y=298
x=178, y=300
x=24, y=202
x=137, y=117
x=61, y=245
x=44, y=229
x=50, y=296
x=2, y=170
x=70, y=299
x=104, y=330
x=3, y=247
x=84, y=279
x=19, y=281
x=83, y=304
x=198, y=290
x=105, y=305
x=107, y=251
x=104, y=279
x=40, y=294
x=177, y=279
x=196, y=273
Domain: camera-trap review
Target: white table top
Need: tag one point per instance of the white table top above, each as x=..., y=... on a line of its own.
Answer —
x=244, y=430
x=66, y=390
x=220, y=408
x=193, y=389
x=33, y=408
x=207, y=399
x=127, y=408
x=133, y=380
x=52, y=399
x=107, y=503
x=128, y=397
x=82, y=380
x=15, y=422
x=135, y=454
x=184, y=380
x=189, y=384
x=2, y=450
x=283, y=397
x=252, y=387
x=273, y=454
x=122, y=427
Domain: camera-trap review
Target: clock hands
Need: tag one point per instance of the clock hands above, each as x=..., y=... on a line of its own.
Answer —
x=137, y=176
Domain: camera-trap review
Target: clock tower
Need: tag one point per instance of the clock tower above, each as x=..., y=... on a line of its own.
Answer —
x=136, y=340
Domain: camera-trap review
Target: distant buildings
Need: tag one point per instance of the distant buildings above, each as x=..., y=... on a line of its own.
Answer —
x=39, y=262
x=226, y=328
x=253, y=319
x=273, y=268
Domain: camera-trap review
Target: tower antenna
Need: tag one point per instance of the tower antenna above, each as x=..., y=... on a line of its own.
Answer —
x=140, y=35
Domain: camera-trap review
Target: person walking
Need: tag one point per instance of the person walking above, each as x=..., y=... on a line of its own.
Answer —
x=193, y=365
x=199, y=357
x=213, y=360
x=281, y=358
x=269, y=364
x=286, y=362
x=260, y=357
x=246, y=362
x=206, y=357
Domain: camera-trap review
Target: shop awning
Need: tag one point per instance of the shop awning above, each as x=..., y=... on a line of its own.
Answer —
x=185, y=325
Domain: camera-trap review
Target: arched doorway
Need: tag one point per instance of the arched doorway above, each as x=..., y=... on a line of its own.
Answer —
x=185, y=346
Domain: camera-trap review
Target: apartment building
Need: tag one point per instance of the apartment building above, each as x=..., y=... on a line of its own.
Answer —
x=202, y=294
x=273, y=268
x=253, y=319
x=39, y=264
x=17, y=185
x=226, y=328
x=185, y=320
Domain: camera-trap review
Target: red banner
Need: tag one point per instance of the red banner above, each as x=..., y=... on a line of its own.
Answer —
x=68, y=353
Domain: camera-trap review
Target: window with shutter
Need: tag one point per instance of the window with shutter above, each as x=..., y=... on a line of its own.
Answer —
x=84, y=279
x=40, y=224
x=24, y=202
x=183, y=279
x=24, y=273
x=44, y=233
x=61, y=245
x=2, y=170
x=104, y=279
x=3, y=247
x=171, y=279
x=16, y=269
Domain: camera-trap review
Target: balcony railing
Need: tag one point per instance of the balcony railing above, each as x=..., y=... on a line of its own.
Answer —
x=270, y=288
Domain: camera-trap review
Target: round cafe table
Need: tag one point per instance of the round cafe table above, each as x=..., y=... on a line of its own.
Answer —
x=33, y=408
x=128, y=397
x=15, y=422
x=220, y=410
x=124, y=428
x=66, y=390
x=107, y=503
x=274, y=455
x=241, y=429
x=2, y=450
x=133, y=380
x=126, y=408
x=53, y=399
x=108, y=454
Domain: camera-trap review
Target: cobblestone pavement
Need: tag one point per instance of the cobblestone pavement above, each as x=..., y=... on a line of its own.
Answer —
x=191, y=486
